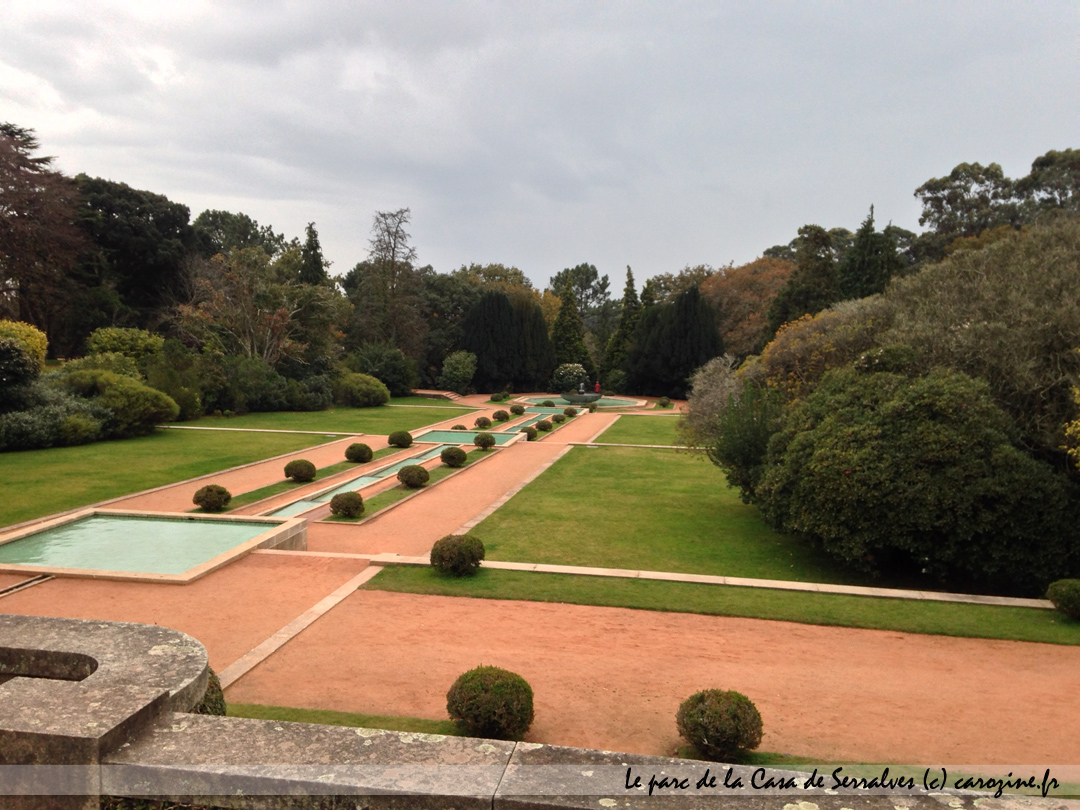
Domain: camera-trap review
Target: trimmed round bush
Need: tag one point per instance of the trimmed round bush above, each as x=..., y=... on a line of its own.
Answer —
x=503, y=396
x=558, y=419
x=347, y=504
x=482, y=422
x=399, y=438
x=459, y=427
x=569, y=413
x=300, y=470
x=360, y=391
x=500, y=416
x=517, y=409
x=1065, y=594
x=413, y=476
x=457, y=555
x=530, y=433
x=547, y=403
x=485, y=441
x=491, y=702
x=496, y=397
x=212, y=498
x=664, y=402
x=453, y=457
x=721, y=725
x=543, y=425
x=358, y=452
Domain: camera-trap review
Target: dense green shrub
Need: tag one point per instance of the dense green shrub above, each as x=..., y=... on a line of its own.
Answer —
x=547, y=403
x=1065, y=594
x=310, y=394
x=17, y=370
x=500, y=416
x=503, y=396
x=133, y=409
x=29, y=338
x=482, y=422
x=918, y=477
x=213, y=700
x=569, y=377
x=457, y=554
x=491, y=702
x=347, y=504
x=741, y=433
x=499, y=397
x=517, y=409
x=212, y=498
x=134, y=343
x=358, y=452
x=569, y=413
x=453, y=457
x=543, y=425
x=592, y=407
x=399, y=438
x=360, y=391
x=49, y=417
x=558, y=419
x=485, y=441
x=459, y=427
x=530, y=433
x=387, y=364
x=109, y=361
x=413, y=476
x=457, y=371
x=721, y=725
x=300, y=470
x=664, y=402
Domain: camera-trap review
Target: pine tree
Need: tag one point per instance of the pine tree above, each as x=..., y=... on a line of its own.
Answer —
x=871, y=262
x=568, y=334
x=619, y=344
x=313, y=265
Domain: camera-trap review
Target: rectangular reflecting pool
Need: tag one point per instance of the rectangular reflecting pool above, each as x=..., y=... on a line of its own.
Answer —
x=141, y=545
x=463, y=436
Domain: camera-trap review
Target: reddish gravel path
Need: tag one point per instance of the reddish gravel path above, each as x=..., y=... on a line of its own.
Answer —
x=613, y=678
x=230, y=611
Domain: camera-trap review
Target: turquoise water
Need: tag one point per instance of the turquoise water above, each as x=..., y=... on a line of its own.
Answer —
x=134, y=544
x=383, y=473
x=540, y=417
x=294, y=508
x=603, y=402
x=463, y=436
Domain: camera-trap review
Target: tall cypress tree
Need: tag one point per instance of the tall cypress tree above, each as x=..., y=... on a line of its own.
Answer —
x=619, y=344
x=535, y=349
x=568, y=334
x=871, y=262
x=671, y=342
x=490, y=332
x=312, y=265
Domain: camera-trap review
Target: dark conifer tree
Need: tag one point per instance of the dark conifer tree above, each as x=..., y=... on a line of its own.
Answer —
x=491, y=332
x=619, y=344
x=671, y=342
x=568, y=334
x=312, y=266
x=869, y=264
x=812, y=285
x=536, y=352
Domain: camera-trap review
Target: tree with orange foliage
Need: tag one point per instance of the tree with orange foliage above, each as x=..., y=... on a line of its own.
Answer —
x=741, y=297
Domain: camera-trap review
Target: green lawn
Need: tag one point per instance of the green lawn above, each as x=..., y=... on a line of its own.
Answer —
x=331, y=718
x=641, y=430
x=426, y=401
x=654, y=510
x=935, y=618
x=378, y=421
x=62, y=478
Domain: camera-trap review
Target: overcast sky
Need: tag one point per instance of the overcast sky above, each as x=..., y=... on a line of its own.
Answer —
x=544, y=134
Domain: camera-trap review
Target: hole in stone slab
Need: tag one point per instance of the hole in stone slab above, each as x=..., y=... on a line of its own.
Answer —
x=57, y=666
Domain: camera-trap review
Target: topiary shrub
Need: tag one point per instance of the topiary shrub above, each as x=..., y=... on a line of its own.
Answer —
x=491, y=702
x=721, y=725
x=485, y=441
x=458, y=555
x=664, y=402
x=134, y=343
x=360, y=391
x=500, y=416
x=347, y=504
x=459, y=427
x=558, y=419
x=482, y=422
x=517, y=409
x=212, y=498
x=569, y=413
x=399, y=438
x=1065, y=594
x=358, y=452
x=300, y=470
x=592, y=407
x=503, y=396
x=497, y=397
x=213, y=701
x=453, y=457
x=413, y=476
x=530, y=433
x=547, y=403
x=543, y=425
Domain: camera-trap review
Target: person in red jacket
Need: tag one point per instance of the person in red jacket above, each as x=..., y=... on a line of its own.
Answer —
x=597, y=386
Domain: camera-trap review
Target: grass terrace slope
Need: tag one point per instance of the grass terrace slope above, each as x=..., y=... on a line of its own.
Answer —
x=41, y=482
x=653, y=510
x=378, y=421
x=641, y=430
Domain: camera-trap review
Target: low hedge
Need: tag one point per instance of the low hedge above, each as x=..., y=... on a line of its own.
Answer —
x=212, y=498
x=491, y=702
